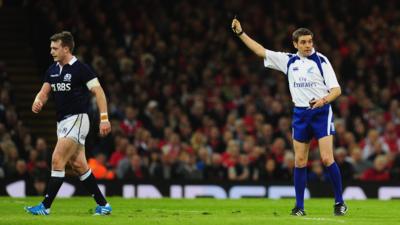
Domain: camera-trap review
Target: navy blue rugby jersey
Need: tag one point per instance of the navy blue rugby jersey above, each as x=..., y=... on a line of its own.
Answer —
x=68, y=85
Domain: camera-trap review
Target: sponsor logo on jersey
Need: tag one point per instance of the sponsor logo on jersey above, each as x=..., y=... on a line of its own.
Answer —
x=54, y=75
x=305, y=84
x=61, y=87
x=295, y=68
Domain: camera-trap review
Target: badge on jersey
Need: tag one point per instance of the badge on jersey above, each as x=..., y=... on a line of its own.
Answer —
x=67, y=77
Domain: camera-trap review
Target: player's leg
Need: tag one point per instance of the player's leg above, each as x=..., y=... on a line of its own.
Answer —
x=300, y=175
x=326, y=150
x=62, y=152
x=79, y=164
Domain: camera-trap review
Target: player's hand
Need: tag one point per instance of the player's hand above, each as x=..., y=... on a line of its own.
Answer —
x=37, y=106
x=104, y=128
x=236, y=27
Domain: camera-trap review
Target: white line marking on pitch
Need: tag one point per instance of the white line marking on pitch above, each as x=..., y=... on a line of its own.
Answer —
x=324, y=219
x=178, y=210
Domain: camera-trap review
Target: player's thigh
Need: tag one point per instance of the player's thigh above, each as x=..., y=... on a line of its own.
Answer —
x=78, y=161
x=64, y=150
x=326, y=149
x=301, y=150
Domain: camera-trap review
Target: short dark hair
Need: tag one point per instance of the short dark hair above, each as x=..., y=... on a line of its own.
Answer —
x=66, y=39
x=301, y=32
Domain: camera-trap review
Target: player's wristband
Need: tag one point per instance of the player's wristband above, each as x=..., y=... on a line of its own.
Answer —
x=103, y=117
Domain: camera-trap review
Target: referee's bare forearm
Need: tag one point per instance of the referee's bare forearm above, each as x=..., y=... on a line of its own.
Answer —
x=254, y=46
x=333, y=94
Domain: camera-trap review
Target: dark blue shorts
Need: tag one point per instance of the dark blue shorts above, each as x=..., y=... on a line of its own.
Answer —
x=308, y=123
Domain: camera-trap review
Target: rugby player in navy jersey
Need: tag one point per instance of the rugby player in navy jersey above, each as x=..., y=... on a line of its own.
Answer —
x=313, y=86
x=71, y=83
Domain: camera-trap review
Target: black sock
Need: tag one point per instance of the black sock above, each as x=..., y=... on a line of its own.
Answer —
x=54, y=184
x=89, y=182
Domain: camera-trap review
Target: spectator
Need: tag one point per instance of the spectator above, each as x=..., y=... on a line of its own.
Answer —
x=20, y=171
x=11, y=158
x=269, y=172
x=155, y=166
x=288, y=166
x=124, y=163
x=130, y=124
x=122, y=143
x=317, y=172
x=379, y=172
x=186, y=167
x=374, y=146
x=346, y=168
x=359, y=164
x=391, y=139
x=265, y=136
x=241, y=171
x=278, y=150
x=169, y=167
x=136, y=171
x=395, y=170
x=215, y=171
x=42, y=150
x=99, y=168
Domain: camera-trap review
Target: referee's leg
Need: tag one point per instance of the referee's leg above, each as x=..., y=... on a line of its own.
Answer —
x=326, y=151
x=301, y=150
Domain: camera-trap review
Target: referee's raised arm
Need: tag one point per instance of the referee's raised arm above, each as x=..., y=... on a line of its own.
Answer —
x=258, y=49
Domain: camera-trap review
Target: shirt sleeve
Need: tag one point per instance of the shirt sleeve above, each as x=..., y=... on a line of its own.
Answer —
x=46, y=77
x=329, y=75
x=87, y=73
x=276, y=60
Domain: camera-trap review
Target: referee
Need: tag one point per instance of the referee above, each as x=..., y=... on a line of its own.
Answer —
x=313, y=85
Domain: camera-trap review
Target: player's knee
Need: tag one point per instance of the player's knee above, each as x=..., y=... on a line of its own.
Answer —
x=57, y=163
x=79, y=166
x=76, y=165
x=300, y=161
x=327, y=161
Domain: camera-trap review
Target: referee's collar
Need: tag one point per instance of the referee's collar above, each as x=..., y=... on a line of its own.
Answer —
x=72, y=61
x=312, y=52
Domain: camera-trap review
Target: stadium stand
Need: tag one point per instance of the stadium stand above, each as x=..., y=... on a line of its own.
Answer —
x=189, y=101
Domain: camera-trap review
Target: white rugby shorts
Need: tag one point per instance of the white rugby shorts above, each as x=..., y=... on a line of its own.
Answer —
x=75, y=127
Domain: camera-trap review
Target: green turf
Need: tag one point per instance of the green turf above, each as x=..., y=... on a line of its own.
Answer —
x=76, y=211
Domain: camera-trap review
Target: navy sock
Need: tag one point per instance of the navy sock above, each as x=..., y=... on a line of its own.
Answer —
x=89, y=181
x=300, y=180
x=54, y=184
x=336, y=179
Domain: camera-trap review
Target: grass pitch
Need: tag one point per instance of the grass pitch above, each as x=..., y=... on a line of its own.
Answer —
x=77, y=210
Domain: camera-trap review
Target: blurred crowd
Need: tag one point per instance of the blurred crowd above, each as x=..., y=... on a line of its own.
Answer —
x=187, y=100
